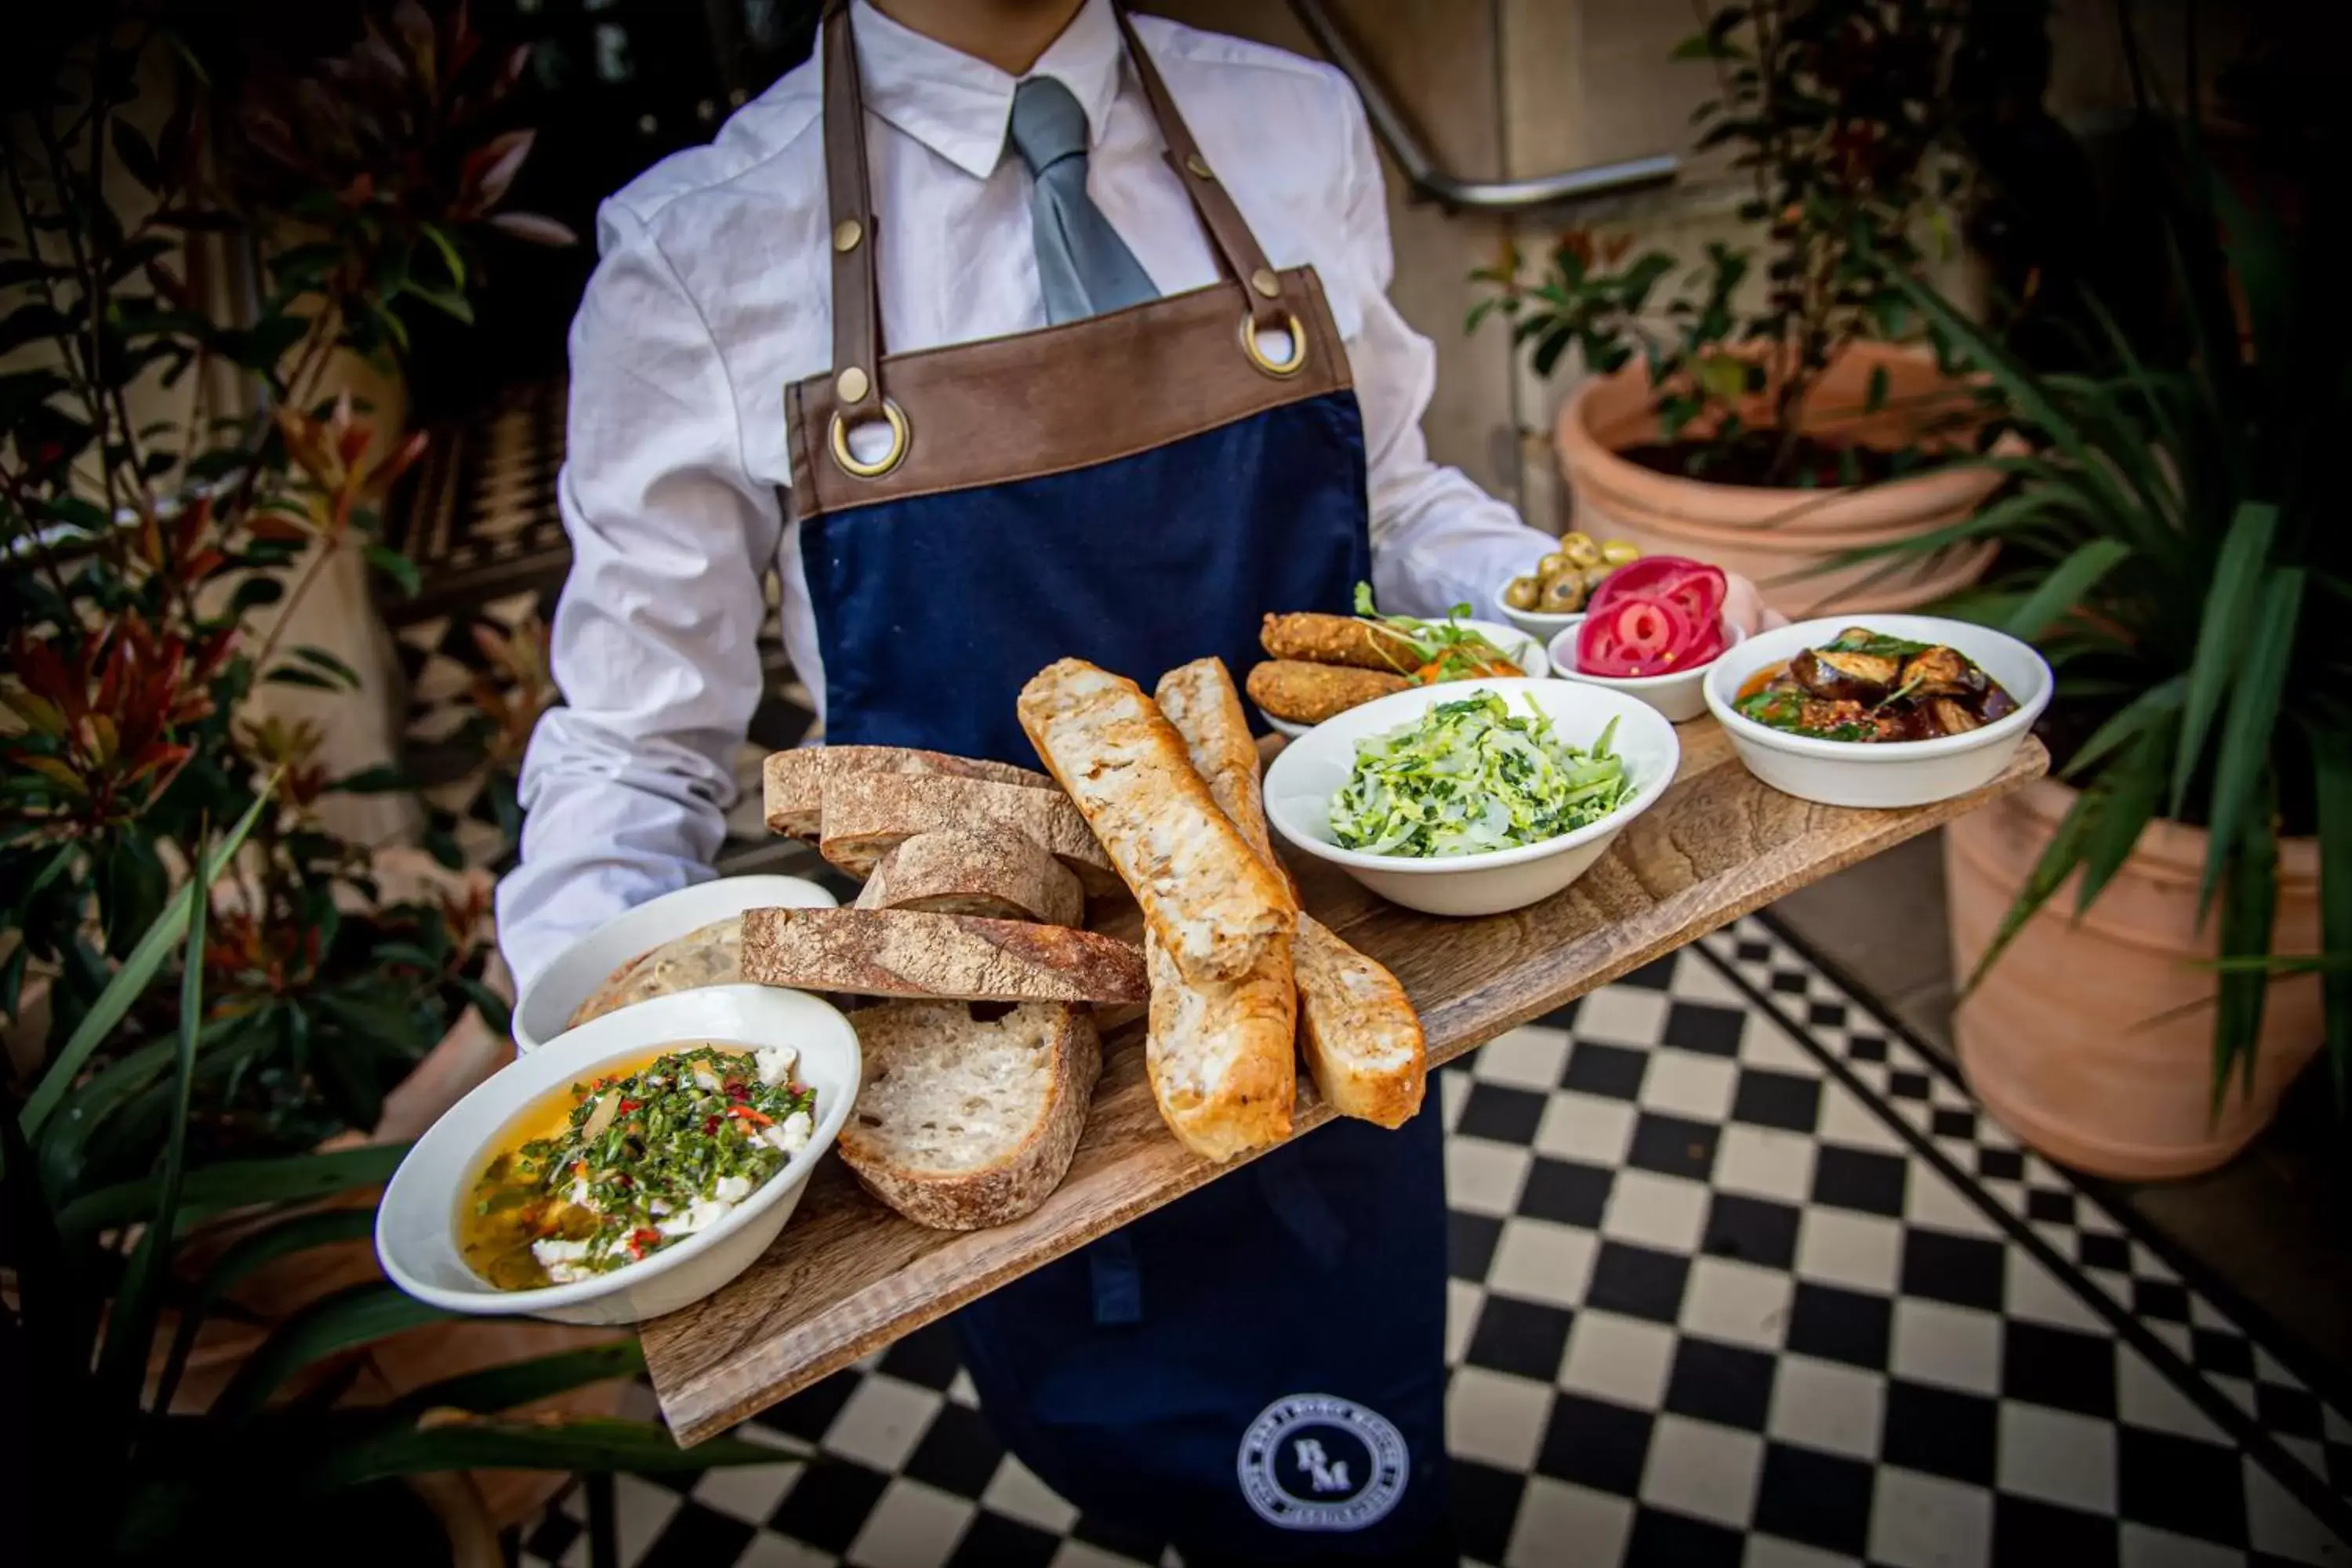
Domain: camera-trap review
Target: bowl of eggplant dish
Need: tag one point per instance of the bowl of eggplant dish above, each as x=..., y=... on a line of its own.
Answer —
x=1878, y=711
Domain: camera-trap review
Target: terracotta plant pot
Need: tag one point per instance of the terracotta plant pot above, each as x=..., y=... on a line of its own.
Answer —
x=2086, y=1038
x=1775, y=537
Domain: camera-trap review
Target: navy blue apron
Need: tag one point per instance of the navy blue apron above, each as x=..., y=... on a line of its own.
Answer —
x=1257, y=1371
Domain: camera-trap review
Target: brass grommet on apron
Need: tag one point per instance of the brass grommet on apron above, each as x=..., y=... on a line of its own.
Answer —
x=897, y=418
x=1197, y=165
x=847, y=234
x=851, y=385
x=1258, y=356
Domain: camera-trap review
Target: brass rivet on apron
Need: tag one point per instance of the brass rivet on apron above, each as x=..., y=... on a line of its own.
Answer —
x=847, y=234
x=851, y=385
x=1265, y=283
x=1199, y=165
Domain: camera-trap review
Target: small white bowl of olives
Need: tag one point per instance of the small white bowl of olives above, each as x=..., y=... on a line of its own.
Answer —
x=1550, y=599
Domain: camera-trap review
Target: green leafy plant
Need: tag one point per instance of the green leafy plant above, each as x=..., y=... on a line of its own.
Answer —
x=1840, y=113
x=2172, y=545
x=171, y=472
x=106, y=1306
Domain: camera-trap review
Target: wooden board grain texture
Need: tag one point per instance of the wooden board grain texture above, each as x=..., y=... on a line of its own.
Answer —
x=848, y=1276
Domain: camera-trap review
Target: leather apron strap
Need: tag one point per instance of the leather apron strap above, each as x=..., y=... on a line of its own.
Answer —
x=856, y=287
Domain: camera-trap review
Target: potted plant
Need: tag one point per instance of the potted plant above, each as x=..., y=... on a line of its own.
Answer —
x=1757, y=438
x=175, y=479
x=293, y=1461
x=2173, y=547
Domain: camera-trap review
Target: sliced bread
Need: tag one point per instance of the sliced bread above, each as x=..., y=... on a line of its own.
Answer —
x=867, y=815
x=794, y=779
x=965, y=1123
x=908, y=952
x=998, y=873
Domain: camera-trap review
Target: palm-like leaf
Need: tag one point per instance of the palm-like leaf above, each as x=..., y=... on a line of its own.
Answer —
x=2165, y=544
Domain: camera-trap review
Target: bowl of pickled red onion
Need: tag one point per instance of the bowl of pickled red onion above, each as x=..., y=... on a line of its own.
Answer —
x=1651, y=631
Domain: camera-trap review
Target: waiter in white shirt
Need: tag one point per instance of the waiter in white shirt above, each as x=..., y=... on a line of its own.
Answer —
x=1067, y=340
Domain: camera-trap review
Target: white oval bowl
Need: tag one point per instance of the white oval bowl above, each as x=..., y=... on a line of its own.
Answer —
x=1311, y=770
x=1529, y=657
x=548, y=1003
x=1680, y=696
x=1894, y=773
x=415, y=1223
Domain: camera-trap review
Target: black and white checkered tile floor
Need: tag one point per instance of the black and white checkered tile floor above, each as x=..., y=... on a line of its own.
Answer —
x=1739, y=1275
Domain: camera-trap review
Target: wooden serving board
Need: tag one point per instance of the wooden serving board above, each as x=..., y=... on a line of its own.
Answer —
x=848, y=1276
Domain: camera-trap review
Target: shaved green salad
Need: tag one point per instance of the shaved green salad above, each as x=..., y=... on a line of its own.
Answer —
x=1470, y=777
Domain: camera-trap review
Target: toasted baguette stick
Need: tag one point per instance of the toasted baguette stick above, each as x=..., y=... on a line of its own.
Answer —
x=907, y=953
x=1359, y=1031
x=1207, y=896
x=996, y=873
x=1361, y=1038
x=1309, y=693
x=1201, y=702
x=1218, y=1054
x=1338, y=639
x=794, y=781
x=868, y=816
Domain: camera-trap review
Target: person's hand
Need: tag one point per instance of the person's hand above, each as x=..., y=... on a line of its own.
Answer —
x=1744, y=607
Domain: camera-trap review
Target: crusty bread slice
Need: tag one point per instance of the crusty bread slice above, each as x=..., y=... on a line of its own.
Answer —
x=907, y=953
x=994, y=872
x=710, y=956
x=963, y=1123
x=1360, y=1036
x=867, y=815
x=794, y=779
x=1205, y=895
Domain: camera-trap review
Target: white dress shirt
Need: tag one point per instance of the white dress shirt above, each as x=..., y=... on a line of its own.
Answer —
x=712, y=294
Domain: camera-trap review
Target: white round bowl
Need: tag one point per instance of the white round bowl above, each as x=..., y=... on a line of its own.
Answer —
x=1680, y=696
x=548, y=1003
x=1311, y=770
x=1521, y=648
x=1881, y=774
x=415, y=1223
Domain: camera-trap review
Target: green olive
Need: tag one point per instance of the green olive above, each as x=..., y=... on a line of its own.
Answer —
x=1523, y=592
x=1553, y=565
x=1596, y=575
x=1580, y=548
x=1617, y=552
x=1563, y=595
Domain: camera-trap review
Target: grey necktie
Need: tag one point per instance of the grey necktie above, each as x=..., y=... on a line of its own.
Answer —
x=1084, y=267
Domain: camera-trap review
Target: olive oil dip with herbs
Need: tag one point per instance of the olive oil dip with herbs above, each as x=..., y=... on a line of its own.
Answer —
x=609, y=1170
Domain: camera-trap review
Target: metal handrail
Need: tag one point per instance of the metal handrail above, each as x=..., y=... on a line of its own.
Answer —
x=1452, y=191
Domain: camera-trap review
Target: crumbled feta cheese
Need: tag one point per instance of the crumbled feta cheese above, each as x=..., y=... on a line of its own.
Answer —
x=733, y=1189
x=792, y=1133
x=776, y=1063
x=566, y=1262
x=704, y=1214
x=705, y=1079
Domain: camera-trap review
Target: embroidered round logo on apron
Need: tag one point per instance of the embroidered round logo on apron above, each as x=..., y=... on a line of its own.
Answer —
x=1313, y=1462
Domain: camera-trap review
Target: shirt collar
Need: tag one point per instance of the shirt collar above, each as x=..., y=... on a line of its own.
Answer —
x=959, y=107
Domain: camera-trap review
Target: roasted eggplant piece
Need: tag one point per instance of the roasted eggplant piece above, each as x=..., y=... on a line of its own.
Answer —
x=1950, y=716
x=1940, y=672
x=1841, y=676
